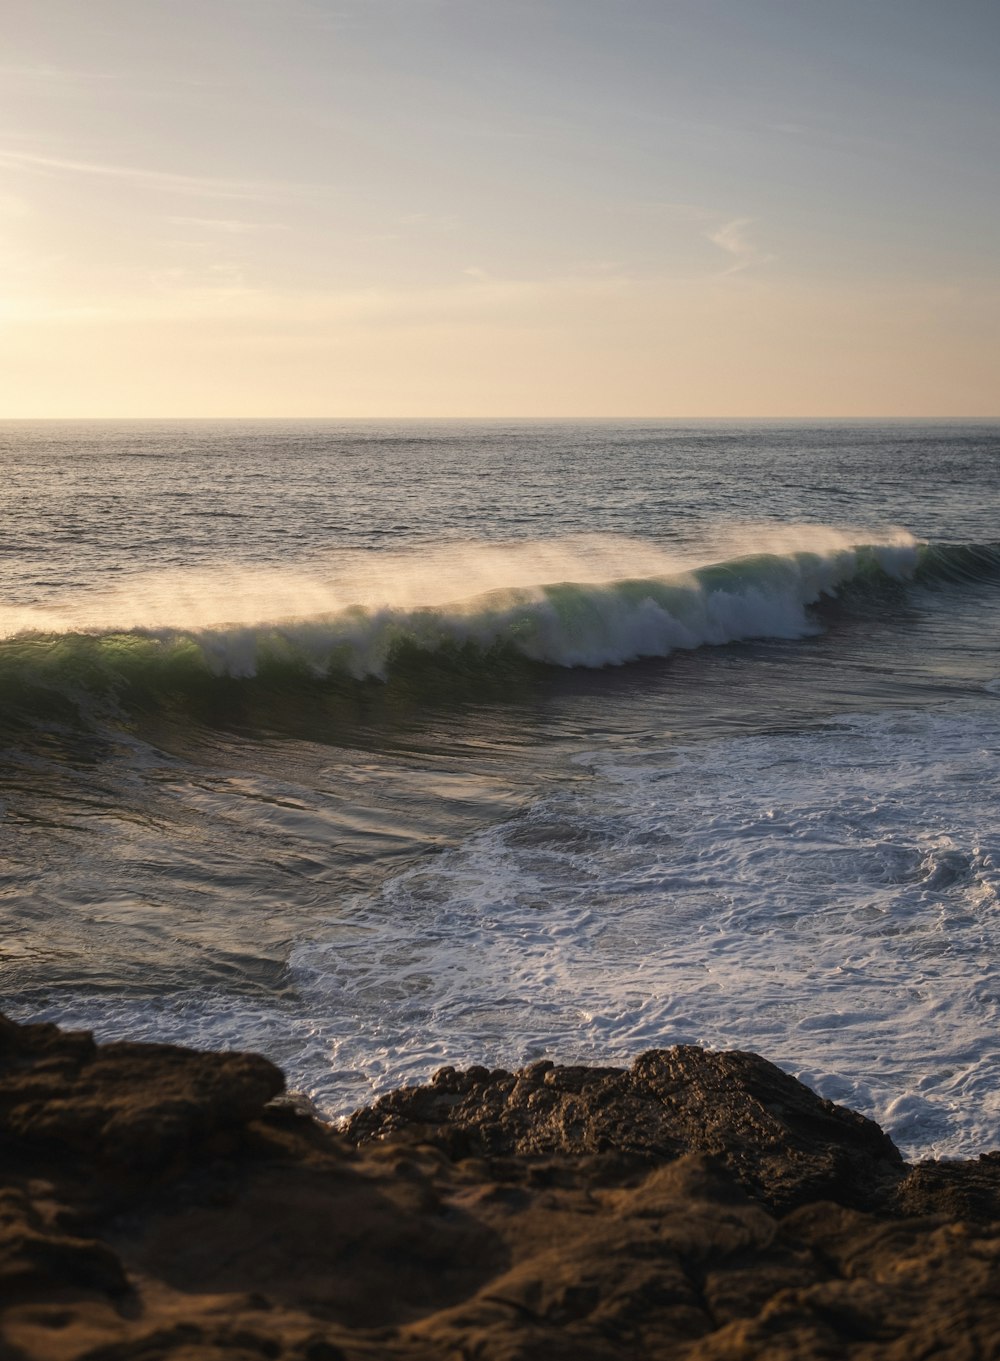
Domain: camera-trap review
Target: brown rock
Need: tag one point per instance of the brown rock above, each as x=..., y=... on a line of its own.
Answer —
x=124, y=1106
x=697, y=1206
x=967, y=1190
x=782, y=1141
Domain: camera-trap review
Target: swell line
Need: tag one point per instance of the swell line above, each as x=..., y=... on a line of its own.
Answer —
x=555, y=624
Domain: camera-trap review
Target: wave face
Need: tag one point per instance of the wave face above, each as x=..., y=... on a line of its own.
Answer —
x=592, y=602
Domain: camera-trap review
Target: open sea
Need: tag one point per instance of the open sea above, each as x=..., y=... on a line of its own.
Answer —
x=378, y=747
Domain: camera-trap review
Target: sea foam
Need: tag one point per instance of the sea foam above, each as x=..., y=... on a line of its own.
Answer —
x=588, y=601
x=827, y=897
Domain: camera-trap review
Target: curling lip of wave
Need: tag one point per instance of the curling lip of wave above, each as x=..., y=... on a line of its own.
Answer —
x=602, y=621
x=429, y=576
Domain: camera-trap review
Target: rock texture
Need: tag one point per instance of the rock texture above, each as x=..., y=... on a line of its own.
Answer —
x=157, y=1203
x=782, y=1143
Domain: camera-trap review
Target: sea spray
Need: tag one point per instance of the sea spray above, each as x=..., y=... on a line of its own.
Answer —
x=582, y=602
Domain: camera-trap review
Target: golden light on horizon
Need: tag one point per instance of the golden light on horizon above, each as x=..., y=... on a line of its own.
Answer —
x=379, y=210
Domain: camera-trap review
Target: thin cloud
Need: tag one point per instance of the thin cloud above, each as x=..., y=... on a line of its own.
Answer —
x=54, y=75
x=229, y=226
x=732, y=238
x=433, y=222
x=682, y=211
x=197, y=185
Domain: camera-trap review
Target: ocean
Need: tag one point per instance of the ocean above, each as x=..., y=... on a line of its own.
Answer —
x=382, y=746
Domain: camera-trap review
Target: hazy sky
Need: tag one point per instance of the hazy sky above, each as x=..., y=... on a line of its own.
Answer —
x=489, y=207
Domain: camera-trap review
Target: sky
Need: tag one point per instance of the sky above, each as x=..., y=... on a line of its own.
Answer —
x=499, y=208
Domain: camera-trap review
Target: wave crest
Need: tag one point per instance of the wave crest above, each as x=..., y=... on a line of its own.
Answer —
x=560, y=604
x=459, y=607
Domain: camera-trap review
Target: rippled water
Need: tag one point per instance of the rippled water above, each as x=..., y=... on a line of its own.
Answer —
x=379, y=747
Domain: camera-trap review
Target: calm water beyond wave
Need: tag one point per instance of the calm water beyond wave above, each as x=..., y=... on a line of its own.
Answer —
x=379, y=747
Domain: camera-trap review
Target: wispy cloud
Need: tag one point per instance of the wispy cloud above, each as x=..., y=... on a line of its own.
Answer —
x=836, y=139
x=52, y=76
x=733, y=239
x=166, y=181
x=227, y=226
x=219, y=292
x=432, y=222
x=669, y=208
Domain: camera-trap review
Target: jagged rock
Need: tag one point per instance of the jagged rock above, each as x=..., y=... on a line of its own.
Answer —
x=154, y=1207
x=968, y=1190
x=122, y=1105
x=784, y=1143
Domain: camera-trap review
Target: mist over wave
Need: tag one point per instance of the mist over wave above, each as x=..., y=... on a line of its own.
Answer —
x=586, y=601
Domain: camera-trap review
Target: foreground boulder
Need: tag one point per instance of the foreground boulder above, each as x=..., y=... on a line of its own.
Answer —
x=782, y=1143
x=157, y=1203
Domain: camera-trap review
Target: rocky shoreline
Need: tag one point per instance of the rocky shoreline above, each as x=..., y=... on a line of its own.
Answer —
x=157, y=1202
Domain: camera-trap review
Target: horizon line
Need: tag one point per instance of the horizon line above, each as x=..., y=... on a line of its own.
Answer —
x=581, y=419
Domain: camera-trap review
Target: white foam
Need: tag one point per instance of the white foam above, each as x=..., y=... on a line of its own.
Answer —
x=827, y=897
x=592, y=600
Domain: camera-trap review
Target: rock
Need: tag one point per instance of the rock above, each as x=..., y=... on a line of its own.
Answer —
x=154, y=1206
x=960, y=1190
x=122, y=1106
x=783, y=1143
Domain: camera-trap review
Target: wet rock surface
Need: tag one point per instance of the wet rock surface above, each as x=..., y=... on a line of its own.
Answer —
x=156, y=1203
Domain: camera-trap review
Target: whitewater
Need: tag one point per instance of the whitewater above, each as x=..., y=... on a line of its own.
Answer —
x=378, y=748
x=595, y=601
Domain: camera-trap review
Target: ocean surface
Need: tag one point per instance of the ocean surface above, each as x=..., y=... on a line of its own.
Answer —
x=376, y=747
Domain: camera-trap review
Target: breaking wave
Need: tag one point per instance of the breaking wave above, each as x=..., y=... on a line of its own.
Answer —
x=581, y=603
